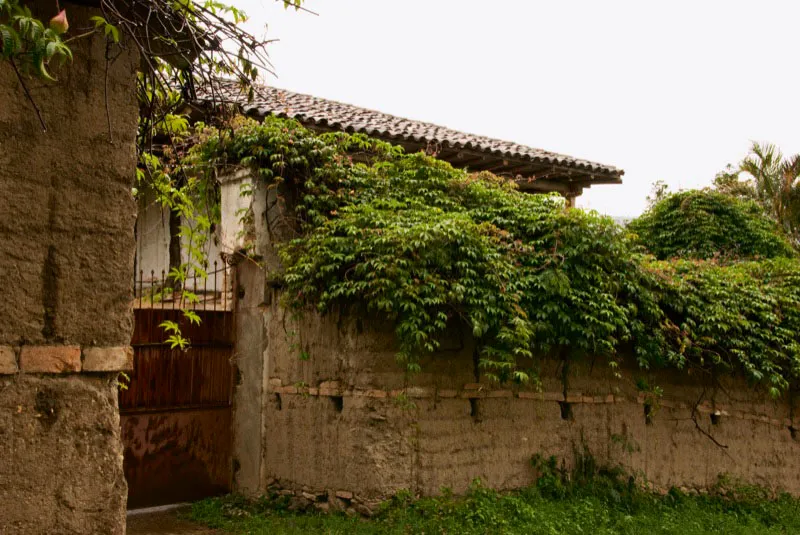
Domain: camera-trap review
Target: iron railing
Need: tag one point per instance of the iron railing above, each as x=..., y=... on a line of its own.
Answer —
x=197, y=292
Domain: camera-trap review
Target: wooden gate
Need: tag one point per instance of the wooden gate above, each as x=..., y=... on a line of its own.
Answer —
x=176, y=412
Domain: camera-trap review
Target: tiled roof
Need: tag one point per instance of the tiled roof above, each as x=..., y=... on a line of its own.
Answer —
x=322, y=113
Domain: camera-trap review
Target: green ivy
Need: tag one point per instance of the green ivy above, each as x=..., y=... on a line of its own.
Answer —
x=411, y=238
x=733, y=318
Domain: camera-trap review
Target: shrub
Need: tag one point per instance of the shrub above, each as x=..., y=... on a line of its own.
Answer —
x=707, y=224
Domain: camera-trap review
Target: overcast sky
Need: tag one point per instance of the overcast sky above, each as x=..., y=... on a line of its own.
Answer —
x=665, y=90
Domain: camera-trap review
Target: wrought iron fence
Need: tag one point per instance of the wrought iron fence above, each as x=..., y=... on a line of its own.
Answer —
x=199, y=291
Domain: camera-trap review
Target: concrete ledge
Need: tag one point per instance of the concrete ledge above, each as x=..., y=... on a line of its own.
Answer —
x=8, y=360
x=107, y=359
x=473, y=391
x=50, y=359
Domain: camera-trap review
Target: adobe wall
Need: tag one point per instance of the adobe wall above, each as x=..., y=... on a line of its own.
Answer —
x=347, y=420
x=66, y=270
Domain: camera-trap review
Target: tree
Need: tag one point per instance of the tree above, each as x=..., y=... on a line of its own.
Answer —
x=658, y=191
x=707, y=224
x=771, y=180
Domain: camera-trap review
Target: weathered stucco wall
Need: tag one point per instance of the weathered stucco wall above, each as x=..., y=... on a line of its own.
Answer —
x=66, y=269
x=66, y=227
x=60, y=456
x=348, y=420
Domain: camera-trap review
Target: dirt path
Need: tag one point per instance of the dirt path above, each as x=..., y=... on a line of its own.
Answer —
x=164, y=523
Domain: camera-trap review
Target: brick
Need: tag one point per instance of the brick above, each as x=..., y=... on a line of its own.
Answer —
x=275, y=381
x=8, y=360
x=500, y=394
x=107, y=359
x=50, y=359
x=529, y=395
x=376, y=394
x=344, y=495
x=418, y=392
x=473, y=386
x=553, y=396
x=447, y=393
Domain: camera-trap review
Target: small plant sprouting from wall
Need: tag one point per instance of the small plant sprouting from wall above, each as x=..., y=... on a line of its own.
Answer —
x=625, y=442
x=652, y=396
x=403, y=402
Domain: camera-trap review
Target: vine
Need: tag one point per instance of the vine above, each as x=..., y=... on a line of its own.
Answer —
x=426, y=245
x=27, y=44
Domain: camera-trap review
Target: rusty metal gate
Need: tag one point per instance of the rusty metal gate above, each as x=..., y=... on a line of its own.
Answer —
x=176, y=412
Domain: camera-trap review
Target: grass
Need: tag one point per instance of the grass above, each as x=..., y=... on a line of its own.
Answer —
x=603, y=505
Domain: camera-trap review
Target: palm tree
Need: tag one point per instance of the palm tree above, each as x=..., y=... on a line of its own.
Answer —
x=774, y=184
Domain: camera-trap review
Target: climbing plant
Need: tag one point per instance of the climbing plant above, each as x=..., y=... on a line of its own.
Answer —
x=428, y=246
x=27, y=44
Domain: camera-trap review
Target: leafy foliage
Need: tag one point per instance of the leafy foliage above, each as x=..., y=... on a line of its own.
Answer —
x=194, y=201
x=770, y=179
x=427, y=245
x=26, y=41
x=707, y=224
x=740, y=318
